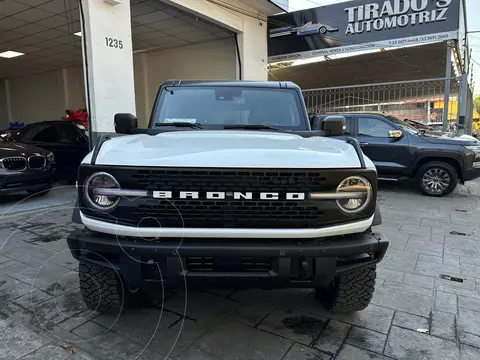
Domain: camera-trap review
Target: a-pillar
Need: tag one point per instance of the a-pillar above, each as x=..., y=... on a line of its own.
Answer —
x=108, y=62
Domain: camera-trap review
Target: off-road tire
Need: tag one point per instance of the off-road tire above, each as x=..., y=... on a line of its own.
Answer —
x=449, y=169
x=349, y=292
x=41, y=192
x=103, y=291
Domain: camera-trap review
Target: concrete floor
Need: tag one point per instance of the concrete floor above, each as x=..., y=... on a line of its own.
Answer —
x=414, y=313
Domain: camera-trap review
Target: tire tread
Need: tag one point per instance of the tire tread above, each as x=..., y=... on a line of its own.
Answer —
x=353, y=291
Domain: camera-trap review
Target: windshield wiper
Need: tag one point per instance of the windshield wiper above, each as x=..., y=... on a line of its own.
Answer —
x=181, y=124
x=253, y=127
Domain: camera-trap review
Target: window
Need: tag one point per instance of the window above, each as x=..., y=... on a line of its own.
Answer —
x=30, y=132
x=49, y=134
x=348, y=123
x=215, y=107
x=373, y=127
x=68, y=133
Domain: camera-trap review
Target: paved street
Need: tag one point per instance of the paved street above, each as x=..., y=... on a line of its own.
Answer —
x=418, y=311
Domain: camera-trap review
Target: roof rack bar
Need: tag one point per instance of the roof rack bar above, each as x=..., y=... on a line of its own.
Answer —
x=103, y=138
x=354, y=142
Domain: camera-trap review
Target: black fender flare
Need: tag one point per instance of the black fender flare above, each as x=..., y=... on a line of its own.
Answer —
x=377, y=218
x=438, y=156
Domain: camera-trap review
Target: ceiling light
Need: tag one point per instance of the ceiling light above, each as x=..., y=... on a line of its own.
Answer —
x=10, y=54
x=78, y=33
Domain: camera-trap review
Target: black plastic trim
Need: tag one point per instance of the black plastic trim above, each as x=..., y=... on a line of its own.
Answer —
x=354, y=142
x=124, y=255
x=96, y=150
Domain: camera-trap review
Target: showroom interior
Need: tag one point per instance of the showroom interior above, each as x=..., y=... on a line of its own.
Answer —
x=42, y=64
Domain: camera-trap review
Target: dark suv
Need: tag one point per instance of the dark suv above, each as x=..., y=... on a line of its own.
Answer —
x=400, y=152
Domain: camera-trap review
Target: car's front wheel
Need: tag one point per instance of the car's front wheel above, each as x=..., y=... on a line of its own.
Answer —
x=103, y=290
x=323, y=30
x=349, y=292
x=437, y=178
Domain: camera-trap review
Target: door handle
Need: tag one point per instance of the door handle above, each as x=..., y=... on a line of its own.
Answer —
x=363, y=143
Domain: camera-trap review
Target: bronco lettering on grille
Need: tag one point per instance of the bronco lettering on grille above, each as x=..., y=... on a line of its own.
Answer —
x=227, y=195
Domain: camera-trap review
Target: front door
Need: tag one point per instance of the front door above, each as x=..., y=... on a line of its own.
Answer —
x=390, y=156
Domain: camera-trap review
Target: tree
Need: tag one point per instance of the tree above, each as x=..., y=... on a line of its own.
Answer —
x=476, y=103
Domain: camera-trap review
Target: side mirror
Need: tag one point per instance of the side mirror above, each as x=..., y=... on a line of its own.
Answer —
x=316, y=121
x=395, y=134
x=125, y=123
x=334, y=125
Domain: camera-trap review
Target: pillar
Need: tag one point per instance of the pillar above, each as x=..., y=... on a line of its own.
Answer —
x=253, y=49
x=108, y=62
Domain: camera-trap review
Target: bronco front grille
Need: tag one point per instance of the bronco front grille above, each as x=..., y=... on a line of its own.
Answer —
x=227, y=180
x=197, y=213
x=14, y=163
x=228, y=212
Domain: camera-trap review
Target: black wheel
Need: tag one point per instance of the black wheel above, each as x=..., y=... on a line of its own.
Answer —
x=437, y=178
x=349, y=292
x=323, y=30
x=39, y=192
x=103, y=291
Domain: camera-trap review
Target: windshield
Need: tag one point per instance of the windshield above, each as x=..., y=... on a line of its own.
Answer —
x=225, y=107
x=404, y=125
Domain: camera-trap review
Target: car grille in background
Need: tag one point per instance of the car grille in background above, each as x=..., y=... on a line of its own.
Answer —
x=36, y=162
x=15, y=163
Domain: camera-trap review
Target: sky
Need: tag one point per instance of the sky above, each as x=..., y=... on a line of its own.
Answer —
x=473, y=11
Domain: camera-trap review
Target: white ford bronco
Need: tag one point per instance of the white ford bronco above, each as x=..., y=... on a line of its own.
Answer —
x=228, y=186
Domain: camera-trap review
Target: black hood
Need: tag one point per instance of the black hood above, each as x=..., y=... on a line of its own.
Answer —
x=10, y=148
x=444, y=140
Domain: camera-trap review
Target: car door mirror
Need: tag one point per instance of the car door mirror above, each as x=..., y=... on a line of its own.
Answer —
x=125, y=123
x=395, y=134
x=316, y=121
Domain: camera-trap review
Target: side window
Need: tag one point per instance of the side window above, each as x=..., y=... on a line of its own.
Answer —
x=68, y=133
x=348, y=123
x=29, y=132
x=373, y=127
x=48, y=134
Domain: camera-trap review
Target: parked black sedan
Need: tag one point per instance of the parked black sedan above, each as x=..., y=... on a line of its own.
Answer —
x=65, y=140
x=25, y=168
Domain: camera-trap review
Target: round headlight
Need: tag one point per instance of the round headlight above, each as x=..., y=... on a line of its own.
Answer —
x=356, y=192
x=94, y=197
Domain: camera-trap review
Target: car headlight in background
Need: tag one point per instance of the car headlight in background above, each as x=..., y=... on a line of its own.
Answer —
x=50, y=157
x=96, y=191
x=354, y=194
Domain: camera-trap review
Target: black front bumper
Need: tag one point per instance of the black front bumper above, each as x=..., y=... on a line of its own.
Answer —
x=235, y=263
x=25, y=181
x=471, y=174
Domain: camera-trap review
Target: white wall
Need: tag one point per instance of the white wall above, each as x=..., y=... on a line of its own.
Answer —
x=37, y=97
x=43, y=96
x=214, y=60
x=252, y=32
x=74, y=88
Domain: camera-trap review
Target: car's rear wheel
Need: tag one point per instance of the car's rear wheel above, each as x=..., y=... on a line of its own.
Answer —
x=103, y=290
x=349, y=292
x=437, y=178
